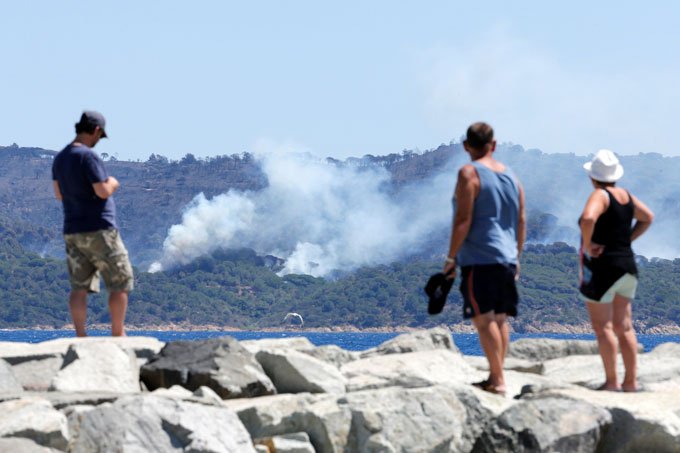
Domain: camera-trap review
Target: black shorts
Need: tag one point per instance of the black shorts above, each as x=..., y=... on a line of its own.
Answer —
x=489, y=287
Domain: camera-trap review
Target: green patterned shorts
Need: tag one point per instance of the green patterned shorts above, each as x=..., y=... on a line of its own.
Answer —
x=98, y=254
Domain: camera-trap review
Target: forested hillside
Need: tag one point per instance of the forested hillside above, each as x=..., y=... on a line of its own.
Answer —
x=240, y=289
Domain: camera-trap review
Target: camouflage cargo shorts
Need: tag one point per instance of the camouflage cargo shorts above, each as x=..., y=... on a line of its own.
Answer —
x=98, y=254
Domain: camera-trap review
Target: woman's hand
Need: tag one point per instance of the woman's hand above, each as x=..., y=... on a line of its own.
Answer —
x=595, y=250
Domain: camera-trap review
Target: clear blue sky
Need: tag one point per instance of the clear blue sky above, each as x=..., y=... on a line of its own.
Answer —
x=341, y=79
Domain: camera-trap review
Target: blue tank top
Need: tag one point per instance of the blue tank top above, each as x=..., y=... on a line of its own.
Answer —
x=493, y=234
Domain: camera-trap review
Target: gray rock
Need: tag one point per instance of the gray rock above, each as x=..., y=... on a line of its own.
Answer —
x=438, y=418
x=21, y=445
x=151, y=423
x=549, y=424
x=521, y=365
x=325, y=421
x=413, y=369
x=288, y=443
x=332, y=354
x=8, y=381
x=641, y=422
x=36, y=375
x=207, y=394
x=295, y=372
x=262, y=449
x=61, y=400
x=655, y=371
x=219, y=363
x=14, y=352
x=296, y=343
x=423, y=340
x=34, y=419
x=97, y=366
x=540, y=349
x=667, y=349
x=176, y=391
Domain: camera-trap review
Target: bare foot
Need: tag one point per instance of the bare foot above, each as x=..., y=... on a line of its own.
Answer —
x=609, y=388
x=630, y=388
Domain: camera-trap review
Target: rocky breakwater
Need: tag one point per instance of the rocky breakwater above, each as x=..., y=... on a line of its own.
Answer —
x=410, y=394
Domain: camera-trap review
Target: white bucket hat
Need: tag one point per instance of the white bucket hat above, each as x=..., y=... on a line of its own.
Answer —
x=604, y=167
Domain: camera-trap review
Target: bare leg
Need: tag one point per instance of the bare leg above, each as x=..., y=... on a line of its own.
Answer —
x=623, y=328
x=77, y=303
x=601, y=319
x=504, y=328
x=118, y=301
x=491, y=340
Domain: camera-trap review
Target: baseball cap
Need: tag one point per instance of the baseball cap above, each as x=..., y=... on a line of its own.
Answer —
x=92, y=118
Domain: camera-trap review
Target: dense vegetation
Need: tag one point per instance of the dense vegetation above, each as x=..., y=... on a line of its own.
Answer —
x=240, y=289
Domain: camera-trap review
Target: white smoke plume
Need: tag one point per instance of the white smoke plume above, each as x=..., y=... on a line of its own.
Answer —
x=318, y=216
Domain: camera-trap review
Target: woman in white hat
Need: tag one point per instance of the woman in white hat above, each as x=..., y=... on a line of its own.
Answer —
x=607, y=231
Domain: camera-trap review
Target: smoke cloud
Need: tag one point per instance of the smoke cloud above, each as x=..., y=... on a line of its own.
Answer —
x=318, y=216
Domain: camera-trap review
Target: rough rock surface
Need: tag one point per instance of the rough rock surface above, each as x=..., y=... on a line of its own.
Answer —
x=97, y=366
x=546, y=424
x=22, y=445
x=288, y=443
x=412, y=369
x=541, y=349
x=332, y=354
x=36, y=375
x=422, y=340
x=295, y=372
x=296, y=343
x=150, y=423
x=34, y=419
x=644, y=421
x=8, y=380
x=437, y=418
x=325, y=421
x=219, y=363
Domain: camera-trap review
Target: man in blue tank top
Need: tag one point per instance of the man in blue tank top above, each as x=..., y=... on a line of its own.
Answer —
x=487, y=237
x=94, y=248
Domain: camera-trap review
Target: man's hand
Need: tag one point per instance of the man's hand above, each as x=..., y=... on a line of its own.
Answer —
x=450, y=269
x=106, y=188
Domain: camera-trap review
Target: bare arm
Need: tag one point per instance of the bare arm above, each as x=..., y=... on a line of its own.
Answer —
x=643, y=218
x=106, y=188
x=597, y=204
x=466, y=192
x=57, y=190
x=521, y=228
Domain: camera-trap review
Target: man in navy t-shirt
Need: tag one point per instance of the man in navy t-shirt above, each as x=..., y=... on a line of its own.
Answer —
x=93, y=245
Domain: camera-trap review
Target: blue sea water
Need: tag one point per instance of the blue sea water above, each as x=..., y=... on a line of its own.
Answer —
x=353, y=341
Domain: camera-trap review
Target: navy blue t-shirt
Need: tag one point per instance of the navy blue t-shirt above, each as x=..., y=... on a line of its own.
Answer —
x=76, y=168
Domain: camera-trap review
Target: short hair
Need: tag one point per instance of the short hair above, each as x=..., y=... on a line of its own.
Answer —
x=85, y=128
x=479, y=135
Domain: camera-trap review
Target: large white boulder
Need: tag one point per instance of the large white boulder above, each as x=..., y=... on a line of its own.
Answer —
x=547, y=424
x=655, y=370
x=97, y=366
x=332, y=354
x=421, y=340
x=296, y=343
x=151, y=423
x=412, y=369
x=296, y=372
x=325, y=421
x=35, y=419
x=437, y=418
x=8, y=380
x=641, y=422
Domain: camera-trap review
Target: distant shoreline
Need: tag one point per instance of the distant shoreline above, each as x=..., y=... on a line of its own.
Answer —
x=670, y=329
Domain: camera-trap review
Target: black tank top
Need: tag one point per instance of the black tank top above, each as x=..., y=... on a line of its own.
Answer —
x=613, y=230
